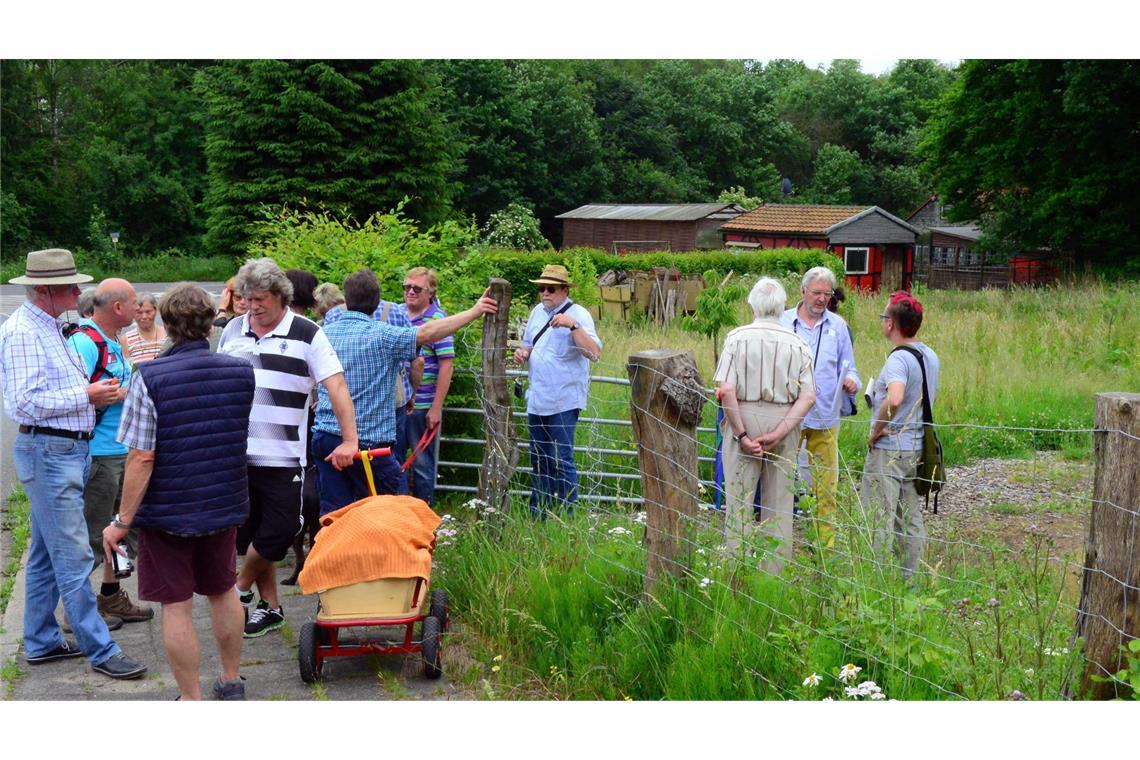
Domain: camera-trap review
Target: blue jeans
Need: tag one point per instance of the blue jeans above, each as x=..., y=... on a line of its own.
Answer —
x=339, y=488
x=53, y=471
x=422, y=479
x=400, y=449
x=555, y=479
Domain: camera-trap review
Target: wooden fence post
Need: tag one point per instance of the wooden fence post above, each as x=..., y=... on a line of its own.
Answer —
x=666, y=396
x=501, y=454
x=1108, y=615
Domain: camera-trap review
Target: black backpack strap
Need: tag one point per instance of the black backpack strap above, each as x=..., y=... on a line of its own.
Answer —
x=927, y=417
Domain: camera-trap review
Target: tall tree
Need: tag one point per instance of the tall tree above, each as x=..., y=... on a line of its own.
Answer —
x=357, y=136
x=1045, y=153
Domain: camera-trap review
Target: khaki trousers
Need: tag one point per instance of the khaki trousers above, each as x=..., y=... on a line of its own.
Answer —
x=888, y=491
x=774, y=472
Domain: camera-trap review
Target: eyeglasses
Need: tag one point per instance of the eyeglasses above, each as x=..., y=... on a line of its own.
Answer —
x=884, y=316
x=549, y=288
x=417, y=289
x=821, y=293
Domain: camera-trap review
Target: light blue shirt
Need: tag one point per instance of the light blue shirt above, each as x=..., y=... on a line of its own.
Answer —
x=904, y=432
x=103, y=443
x=830, y=345
x=559, y=372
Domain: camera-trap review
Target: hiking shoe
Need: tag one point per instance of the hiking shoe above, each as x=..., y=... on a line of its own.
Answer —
x=121, y=667
x=113, y=622
x=120, y=605
x=230, y=691
x=263, y=620
x=64, y=651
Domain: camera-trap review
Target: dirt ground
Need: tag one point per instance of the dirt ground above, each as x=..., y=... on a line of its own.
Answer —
x=1007, y=498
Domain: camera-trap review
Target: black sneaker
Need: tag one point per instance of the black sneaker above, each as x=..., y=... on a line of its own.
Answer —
x=121, y=667
x=230, y=691
x=263, y=620
x=246, y=599
x=64, y=651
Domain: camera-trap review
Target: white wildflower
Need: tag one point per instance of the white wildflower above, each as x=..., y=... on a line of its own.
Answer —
x=619, y=531
x=878, y=695
x=812, y=680
x=706, y=582
x=848, y=672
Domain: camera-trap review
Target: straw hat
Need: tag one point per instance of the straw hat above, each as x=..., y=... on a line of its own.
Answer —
x=553, y=274
x=55, y=266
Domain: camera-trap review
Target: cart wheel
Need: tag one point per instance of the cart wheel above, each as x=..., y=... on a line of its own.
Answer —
x=439, y=609
x=307, y=658
x=429, y=647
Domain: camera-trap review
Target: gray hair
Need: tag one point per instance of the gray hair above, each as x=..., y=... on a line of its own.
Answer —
x=86, y=304
x=818, y=273
x=148, y=298
x=767, y=298
x=263, y=276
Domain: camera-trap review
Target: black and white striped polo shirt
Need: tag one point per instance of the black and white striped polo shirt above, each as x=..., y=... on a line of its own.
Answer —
x=286, y=363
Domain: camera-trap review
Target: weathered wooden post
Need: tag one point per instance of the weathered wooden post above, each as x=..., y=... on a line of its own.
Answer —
x=1108, y=615
x=666, y=396
x=501, y=454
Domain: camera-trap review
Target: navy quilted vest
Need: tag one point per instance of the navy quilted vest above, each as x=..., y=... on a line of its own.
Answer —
x=202, y=401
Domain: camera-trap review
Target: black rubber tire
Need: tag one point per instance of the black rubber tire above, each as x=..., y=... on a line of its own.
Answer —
x=430, y=647
x=439, y=609
x=307, y=653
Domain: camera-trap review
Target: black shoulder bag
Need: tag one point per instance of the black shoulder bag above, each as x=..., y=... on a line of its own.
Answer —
x=931, y=475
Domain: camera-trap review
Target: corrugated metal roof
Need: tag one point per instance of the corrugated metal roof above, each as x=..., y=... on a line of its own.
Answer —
x=657, y=212
x=804, y=219
x=968, y=232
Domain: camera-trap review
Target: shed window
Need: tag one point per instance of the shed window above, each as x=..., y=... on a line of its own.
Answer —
x=855, y=260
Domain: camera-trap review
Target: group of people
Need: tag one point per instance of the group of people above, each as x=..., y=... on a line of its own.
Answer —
x=783, y=382
x=205, y=445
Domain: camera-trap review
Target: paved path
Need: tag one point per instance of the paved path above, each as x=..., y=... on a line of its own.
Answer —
x=269, y=664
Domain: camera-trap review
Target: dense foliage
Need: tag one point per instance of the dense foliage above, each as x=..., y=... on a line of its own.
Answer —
x=1047, y=153
x=184, y=155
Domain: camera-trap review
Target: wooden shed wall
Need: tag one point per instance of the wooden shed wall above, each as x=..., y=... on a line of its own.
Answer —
x=601, y=233
x=872, y=228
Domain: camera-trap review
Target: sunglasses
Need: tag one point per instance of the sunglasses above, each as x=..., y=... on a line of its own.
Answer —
x=417, y=289
x=549, y=288
x=884, y=316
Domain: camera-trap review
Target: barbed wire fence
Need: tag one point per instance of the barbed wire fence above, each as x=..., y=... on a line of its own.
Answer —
x=970, y=583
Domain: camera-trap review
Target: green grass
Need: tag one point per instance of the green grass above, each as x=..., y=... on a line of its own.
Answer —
x=159, y=267
x=17, y=523
x=564, y=602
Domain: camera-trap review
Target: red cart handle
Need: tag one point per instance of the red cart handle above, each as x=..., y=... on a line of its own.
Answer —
x=373, y=453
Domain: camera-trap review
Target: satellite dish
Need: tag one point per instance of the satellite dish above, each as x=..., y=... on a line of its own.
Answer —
x=786, y=186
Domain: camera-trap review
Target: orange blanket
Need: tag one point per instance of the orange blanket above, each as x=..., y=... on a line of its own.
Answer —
x=374, y=538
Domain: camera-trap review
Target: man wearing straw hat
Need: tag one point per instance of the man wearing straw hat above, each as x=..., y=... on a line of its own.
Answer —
x=559, y=343
x=48, y=394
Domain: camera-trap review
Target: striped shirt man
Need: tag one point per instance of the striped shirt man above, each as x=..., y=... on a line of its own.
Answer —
x=286, y=363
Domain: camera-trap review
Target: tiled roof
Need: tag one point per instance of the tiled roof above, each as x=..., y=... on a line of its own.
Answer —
x=661, y=212
x=774, y=217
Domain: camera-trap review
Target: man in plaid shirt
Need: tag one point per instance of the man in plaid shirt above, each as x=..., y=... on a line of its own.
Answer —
x=48, y=394
x=371, y=353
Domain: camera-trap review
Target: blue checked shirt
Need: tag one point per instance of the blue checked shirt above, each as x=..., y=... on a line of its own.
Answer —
x=830, y=345
x=44, y=380
x=397, y=317
x=371, y=353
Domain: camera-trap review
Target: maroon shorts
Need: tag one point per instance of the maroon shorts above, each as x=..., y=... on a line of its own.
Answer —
x=173, y=568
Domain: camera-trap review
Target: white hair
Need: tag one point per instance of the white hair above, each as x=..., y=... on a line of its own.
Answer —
x=817, y=273
x=767, y=298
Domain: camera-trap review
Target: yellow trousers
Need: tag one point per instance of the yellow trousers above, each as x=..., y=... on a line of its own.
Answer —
x=823, y=460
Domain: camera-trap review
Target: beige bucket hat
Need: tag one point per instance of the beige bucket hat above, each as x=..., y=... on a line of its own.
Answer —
x=54, y=266
x=553, y=274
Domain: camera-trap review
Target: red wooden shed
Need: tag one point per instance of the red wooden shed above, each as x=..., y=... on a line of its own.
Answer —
x=877, y=248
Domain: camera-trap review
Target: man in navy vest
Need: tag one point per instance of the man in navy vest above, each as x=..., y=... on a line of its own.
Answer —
x=185, y=424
